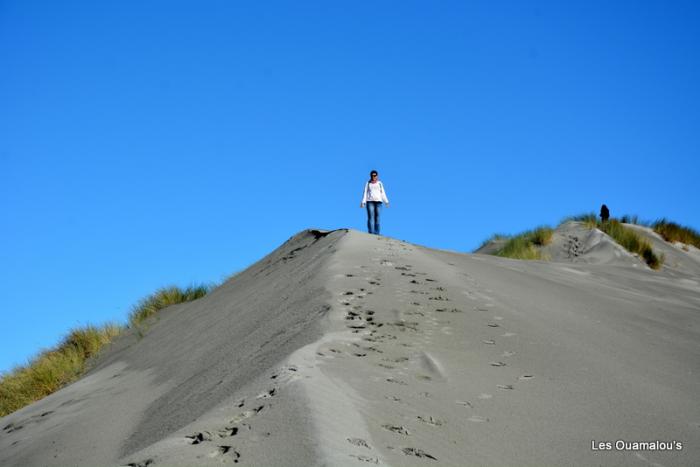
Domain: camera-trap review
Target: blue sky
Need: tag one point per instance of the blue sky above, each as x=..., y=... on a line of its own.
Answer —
x=152, y=143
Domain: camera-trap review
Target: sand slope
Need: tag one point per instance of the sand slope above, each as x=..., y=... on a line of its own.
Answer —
x=351, y=349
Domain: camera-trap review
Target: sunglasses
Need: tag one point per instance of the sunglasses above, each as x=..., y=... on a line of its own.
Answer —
x=374, y=175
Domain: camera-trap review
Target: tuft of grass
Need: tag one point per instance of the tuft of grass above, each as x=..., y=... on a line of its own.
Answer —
x=634, y=219
x=589, y=219
x=524, y=245
x=632, y=242
x=672, y=232
x=55, y=368
x=630, y=219
x=163, y=298
x=492, y=238
x=541, y=236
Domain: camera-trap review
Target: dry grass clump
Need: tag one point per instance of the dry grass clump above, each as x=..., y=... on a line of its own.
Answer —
x=55, y=368
x=163, y=298
x=632, y=242
x=492, y=238
x=589, y=220
x=672, y=232
x=524, y=245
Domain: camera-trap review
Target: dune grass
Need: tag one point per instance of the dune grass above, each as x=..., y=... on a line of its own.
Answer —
x=626, y=237
x=54, y=368
x=632, y=242
x=524, y=245
x=57, y=367
x=672, y=232
x=492, y=238
x=163, y=298
x=589, y=219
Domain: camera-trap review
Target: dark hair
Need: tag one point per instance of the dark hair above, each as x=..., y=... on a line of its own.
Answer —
x=371, y=173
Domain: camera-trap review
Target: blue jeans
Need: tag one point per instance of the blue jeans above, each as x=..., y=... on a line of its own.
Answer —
x=373, y=208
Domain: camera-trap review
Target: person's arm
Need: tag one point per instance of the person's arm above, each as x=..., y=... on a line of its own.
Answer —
x=364, y=196
x=384, y=198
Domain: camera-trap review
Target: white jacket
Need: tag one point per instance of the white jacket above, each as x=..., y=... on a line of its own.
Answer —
x=374, y=192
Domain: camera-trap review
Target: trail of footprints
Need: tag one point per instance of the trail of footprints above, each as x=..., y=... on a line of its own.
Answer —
x=221, y=439
x=361, y=319
x=426, y=292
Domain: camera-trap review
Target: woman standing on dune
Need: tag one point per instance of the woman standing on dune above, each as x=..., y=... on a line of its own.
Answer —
x=373, y=197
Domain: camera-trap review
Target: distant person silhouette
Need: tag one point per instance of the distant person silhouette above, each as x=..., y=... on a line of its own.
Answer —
x=604, y=213
x=373, y=196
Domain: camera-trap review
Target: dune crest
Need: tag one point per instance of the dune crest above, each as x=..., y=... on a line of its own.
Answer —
x=342, y=348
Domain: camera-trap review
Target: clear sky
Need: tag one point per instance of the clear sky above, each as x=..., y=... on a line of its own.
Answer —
x=147, y=143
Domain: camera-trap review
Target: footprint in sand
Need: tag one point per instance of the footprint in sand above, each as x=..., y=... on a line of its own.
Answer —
x=489, y=341
x=505, y=386
x=508, y=334
x=484, y=396
x=507, y=353
x=465, y=404
x=493, y=325
x=418, y=453
x=368, y=459
x=267, y=394
x=358, y=442
x=200, y=437
x=439, y=298
x=497, y=364
x=247, y=414
x=526, y=377
x=286, y=370
x=226, y=450
x=396, y=429
x=144, y=463
x=397, y=381
x=432, y=421
x=228, y=432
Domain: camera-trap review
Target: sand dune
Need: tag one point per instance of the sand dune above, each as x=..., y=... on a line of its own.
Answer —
x=341, y=348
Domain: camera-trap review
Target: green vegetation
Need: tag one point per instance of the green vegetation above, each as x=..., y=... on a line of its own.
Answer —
x=492, y=238
x=55, y=368
x=589, y=220
x=632, y=242
x=626, y=237
x=162, y=298
x=672, y=232
x=633, y=219
x=524, y=245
